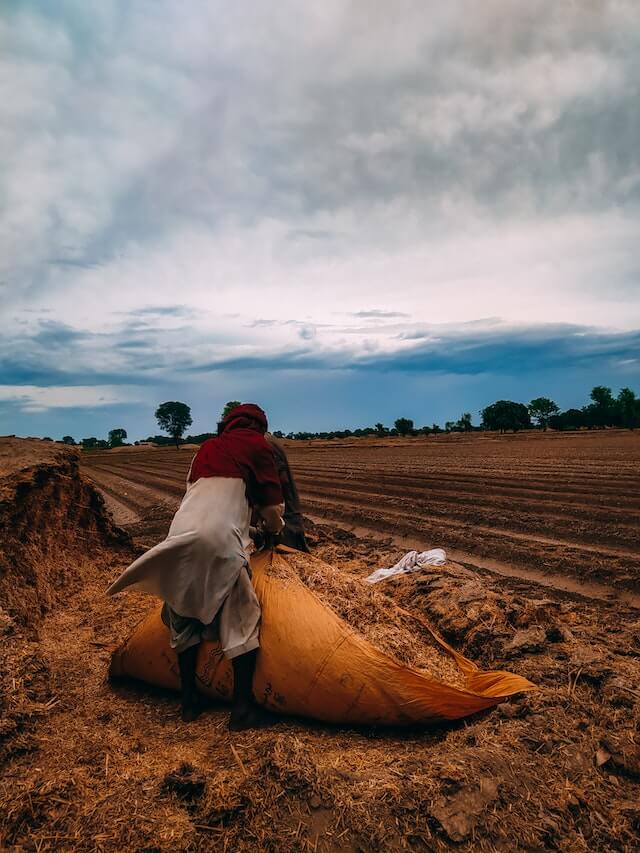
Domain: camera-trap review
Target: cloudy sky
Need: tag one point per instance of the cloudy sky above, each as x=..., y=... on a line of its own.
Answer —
x=346, y=211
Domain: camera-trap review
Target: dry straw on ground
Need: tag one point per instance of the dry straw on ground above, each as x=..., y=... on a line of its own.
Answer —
x=93, y=766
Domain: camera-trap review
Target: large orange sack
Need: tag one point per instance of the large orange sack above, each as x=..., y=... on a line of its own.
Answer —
x=314, y=664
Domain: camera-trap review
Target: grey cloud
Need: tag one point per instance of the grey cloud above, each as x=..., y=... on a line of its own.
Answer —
x=51, y=333
x=161, y=311
x=258, y=324
x=71, y=262
x=157, y=356
x=307, y=333
x=375, y=314
x=522, y=351
x=447, y=120
x=311, y=234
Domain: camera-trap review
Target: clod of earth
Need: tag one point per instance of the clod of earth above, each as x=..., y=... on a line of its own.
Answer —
x=531, y=640
x=459, y=814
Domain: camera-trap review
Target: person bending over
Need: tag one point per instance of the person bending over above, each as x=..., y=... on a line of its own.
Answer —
x=201, y=570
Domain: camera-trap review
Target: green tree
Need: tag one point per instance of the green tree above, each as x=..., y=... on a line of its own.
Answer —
x=571, y=419
x=174, y=417
x=88, y=443
x=117, y=437
x=465, y=423
x=380, y=429
x=602, y=411
x=541, y=409
x=628, y=408
x=505, y=414
x=68, y=439
x=228, y=406
x=404, y=426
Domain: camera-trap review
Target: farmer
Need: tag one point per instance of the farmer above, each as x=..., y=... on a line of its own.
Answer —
x=201, y=570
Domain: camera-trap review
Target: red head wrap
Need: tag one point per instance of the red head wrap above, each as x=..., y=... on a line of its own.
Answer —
x=246, y=416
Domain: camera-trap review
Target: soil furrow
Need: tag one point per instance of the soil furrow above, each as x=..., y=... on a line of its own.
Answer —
x=571, y=530
x=548, y=485
x=408, y=488
x=447, y=521
x=619, y=571
x=444, y=492
x=602, y=592
x=575, y=530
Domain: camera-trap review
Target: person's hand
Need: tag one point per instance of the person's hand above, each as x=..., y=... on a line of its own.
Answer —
x=271, y=540
x=272, y=519
x=257, y=534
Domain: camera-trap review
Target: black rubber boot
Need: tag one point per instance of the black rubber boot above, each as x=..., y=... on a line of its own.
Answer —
x=245, y=714
x=191, y=705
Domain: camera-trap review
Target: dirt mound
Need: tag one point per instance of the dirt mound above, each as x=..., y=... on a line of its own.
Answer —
x=51, y=520
x=55, y=533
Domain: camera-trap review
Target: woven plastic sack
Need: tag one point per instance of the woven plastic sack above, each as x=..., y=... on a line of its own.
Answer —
x=314, y=664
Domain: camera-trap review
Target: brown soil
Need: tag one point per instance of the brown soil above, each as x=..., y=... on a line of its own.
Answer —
x=90, y=765
x=561, y=504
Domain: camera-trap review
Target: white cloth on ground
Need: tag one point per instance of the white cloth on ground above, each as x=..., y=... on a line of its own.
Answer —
x=411, y=562
x=198, y=565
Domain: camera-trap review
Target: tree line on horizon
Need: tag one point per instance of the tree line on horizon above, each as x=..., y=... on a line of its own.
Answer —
x=603, y=411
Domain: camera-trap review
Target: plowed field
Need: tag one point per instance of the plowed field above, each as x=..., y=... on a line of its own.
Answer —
x=91, y=764
x=561, y=509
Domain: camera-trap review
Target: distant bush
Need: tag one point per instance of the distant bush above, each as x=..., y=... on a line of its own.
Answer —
x=541, y=409
x=604, y=411
x=506, y=415
x=404, y=426
x=571, y=419
x=94, y=443
x=200, y=438
x=117, y=437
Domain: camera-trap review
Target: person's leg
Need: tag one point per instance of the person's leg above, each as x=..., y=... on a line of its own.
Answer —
x=185, y=634
x=244, y=712
x=191, y=705
x=239, y=634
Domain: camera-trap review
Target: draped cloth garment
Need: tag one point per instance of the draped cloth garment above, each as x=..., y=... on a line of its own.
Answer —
x=198, y=566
